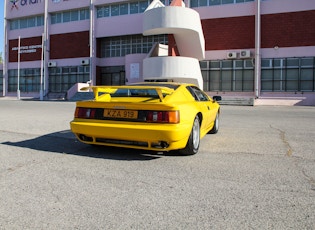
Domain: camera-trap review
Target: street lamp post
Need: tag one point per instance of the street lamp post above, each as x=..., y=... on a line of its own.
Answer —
x=18, y=93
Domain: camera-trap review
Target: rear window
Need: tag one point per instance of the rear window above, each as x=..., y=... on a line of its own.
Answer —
x=171, y=86
x=135, y=93
x=142, y=92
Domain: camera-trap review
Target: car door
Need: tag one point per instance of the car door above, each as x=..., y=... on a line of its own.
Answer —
x=204, y=104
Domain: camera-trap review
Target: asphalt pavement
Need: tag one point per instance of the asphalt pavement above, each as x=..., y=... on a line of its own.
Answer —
x=257, y=172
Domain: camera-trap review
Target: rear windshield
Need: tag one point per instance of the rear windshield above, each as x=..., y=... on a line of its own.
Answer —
x=142, y=92
x=171, y=86
x=135, y=93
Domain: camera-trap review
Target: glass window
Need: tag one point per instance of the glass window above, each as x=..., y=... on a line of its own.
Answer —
x=143, y=6
x=121, y=46
x=106, y=10
x=194, y=3
x=203, y=64
x=84, y=14
x=26, y=22
x=202, y=96
x=214, y=2
x=307, y=74
x=214, y=64
x=40, y=20
x=307, y=62
x=31, y=22
x=74, y=15
x=265, y=63
x=239, y=64
x=23, y=23
x=203, y=2
x=226, y=79
x=114, y=10
x=277, y=62
x=289, y=75
x=227, y=64
x=123, y=9
x=197, y=3
x=55, y=18
x=292, y=62
x=29, y=80
x=14, y=24
x=134, y=7
x=229, y=75
x=249, y=63
x=66, y=16
x=99, y=12
x=227, y=1
x=292, y=74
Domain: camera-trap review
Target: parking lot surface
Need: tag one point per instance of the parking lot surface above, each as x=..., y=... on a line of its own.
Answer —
x=257, y=172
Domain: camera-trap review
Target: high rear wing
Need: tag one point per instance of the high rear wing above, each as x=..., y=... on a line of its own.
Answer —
x=111, y=90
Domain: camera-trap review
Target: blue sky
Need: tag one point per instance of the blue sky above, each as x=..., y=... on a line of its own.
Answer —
x=1, y=27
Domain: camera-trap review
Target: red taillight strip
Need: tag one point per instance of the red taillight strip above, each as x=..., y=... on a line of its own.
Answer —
x=85, y=113
x=162, y=116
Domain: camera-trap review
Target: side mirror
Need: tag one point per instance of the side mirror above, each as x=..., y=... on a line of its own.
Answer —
x=217, y=98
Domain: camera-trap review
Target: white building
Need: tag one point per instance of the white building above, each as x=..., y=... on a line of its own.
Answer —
x=260, y=49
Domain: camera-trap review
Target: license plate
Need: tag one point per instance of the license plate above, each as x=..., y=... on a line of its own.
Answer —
x=118, y=113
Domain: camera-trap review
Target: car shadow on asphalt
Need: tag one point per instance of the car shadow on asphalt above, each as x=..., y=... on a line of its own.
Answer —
x=64, y=142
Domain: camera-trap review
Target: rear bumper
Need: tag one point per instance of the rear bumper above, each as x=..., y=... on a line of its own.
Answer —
x=151, y=136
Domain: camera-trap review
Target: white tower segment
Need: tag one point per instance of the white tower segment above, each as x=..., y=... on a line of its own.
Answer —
x=185, y=25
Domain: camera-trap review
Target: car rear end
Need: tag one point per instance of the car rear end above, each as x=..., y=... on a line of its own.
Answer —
x=130, y=125
x=121, y=118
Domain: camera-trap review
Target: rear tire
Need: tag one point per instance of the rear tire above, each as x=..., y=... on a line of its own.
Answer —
x=215, y=128
x=193, y=142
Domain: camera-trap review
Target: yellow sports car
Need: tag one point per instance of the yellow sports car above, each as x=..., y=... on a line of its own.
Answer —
x=158, y=116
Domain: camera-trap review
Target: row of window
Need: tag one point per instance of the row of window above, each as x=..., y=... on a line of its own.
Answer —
x=277, y=75
x=70, y=16
x=134, y=7
x=60, y=78
x=228, y=75
x=123, y=45
x=28, y=22
x=287, y=62
x=122, y=9
x=63, y=78
x=62, y=17
x=288, y=74
x=200, y=3
x=29, y=80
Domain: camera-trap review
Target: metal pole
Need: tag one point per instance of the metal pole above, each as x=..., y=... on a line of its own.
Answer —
x=45, y=54
x=18, y=80
x=5, y=71
x=91, y=41
x=42, y=70
x=257, y=49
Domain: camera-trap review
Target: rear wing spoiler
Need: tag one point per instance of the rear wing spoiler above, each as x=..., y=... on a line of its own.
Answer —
x=161, y=91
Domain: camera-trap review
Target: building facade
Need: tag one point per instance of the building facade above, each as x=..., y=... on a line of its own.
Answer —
x=263, y=49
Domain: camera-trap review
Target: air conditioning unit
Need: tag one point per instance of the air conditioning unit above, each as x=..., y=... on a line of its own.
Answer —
x=52, y=64
x=231, y=55
x=245, y=54
x=85, y=62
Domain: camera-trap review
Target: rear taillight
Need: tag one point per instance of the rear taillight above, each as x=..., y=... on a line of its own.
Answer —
x=85, y=113
x=162, y=116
